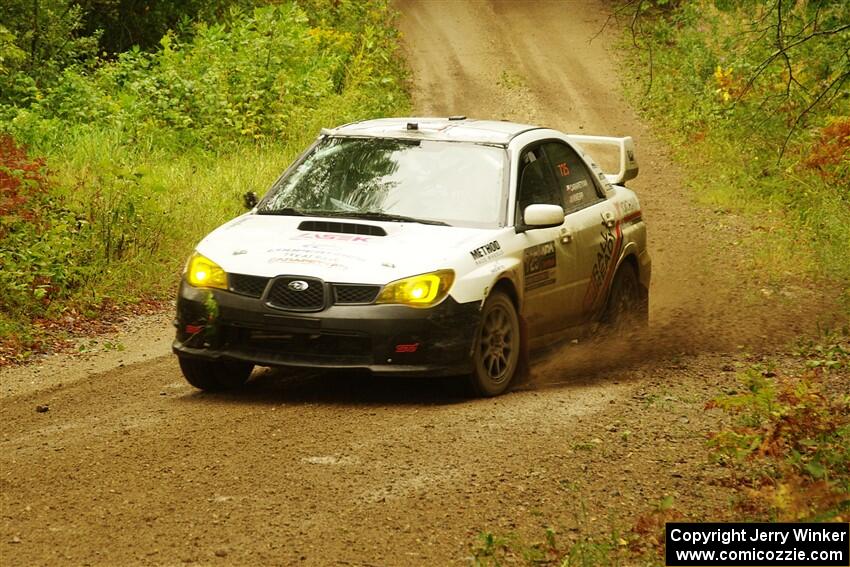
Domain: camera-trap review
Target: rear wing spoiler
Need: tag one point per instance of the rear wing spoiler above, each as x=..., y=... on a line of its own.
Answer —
x=628, y=164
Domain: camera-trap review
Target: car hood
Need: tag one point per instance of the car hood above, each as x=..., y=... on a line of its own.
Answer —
x=271, y=245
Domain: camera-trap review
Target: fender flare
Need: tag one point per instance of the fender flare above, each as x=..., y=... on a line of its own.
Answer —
x=510, y=278
x=629, y=253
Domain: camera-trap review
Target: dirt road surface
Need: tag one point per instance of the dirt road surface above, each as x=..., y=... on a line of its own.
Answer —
x=130, y=465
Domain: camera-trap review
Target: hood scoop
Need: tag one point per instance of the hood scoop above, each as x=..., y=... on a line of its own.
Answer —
x=343, y=227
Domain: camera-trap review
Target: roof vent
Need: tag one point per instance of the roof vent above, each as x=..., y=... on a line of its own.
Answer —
x=457, y=117
x=412, y=126
x=342, y=227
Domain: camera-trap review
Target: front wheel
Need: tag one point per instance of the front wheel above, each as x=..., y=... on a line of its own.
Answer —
x=215, y=375
x=496, y=353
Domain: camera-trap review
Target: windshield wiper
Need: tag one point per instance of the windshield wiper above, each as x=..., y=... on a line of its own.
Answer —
x=377, y=215
x=367, y=215
x=285, y=211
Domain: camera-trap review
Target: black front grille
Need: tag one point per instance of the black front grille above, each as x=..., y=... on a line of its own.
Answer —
x=244, y=284
x=355, y=293
x=286, y=296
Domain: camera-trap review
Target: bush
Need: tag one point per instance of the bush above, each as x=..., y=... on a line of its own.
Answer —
x=264, y=77
x=790, y=447
x=761, y=129
x=39, y=262
x=37, y=41
x=146, y=153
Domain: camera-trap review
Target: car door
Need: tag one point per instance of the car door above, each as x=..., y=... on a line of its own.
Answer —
x=549, y=285
x=591, y=221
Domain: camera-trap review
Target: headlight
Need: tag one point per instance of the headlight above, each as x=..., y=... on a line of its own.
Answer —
x=424, y=290
x=203, y=272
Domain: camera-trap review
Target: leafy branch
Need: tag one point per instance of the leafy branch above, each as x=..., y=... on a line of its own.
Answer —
x=637, y=8
x=835, y=87
x=781, y=30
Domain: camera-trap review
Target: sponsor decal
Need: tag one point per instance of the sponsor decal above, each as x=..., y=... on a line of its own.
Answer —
x=575, y=198
x=497, y=267
x=539, y=263
x=237, y=221
x=314, y=256
x=542, y=279
x=295, y=260
x=606, y=260
x=487, y=252
x=577, y=186
x=634, y=217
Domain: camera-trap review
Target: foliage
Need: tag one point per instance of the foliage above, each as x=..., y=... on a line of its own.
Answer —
x=264, y=78
x=615, y=547
x=787, y=449
x=122, y=24
x=38, y=39
x=830, y=153
x=790, y=447
x=755, y=97
x=38, y=260
x=146, y=153
x=493, y=550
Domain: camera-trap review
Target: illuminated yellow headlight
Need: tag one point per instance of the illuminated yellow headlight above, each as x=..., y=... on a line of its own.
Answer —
x=203, y=272
x=423, y=290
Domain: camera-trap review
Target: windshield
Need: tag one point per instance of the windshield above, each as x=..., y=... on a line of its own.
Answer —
x=391, y=179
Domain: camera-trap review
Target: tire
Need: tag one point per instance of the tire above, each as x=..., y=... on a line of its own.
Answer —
x=215, y=375
x=496, y=354
x=627, y=308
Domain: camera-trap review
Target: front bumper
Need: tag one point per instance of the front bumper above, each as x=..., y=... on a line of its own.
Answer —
x=386, y=339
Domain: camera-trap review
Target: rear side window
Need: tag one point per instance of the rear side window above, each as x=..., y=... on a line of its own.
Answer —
x=575, y=180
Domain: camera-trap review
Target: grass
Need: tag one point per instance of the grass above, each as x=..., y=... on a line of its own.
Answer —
x=726, y=131
x=789, y=446
x=786, y=449
x=184, y=196
x=551, y=548
x=116, y=171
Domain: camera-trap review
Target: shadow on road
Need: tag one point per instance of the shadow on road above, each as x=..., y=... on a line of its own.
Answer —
x=278, y=385
x=555, y=368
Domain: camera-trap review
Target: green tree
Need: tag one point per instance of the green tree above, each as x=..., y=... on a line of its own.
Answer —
x=38, y=39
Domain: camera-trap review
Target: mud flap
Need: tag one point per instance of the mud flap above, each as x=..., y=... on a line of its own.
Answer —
x=523, y=371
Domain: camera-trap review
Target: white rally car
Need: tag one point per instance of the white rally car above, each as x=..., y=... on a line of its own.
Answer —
x=420, y=246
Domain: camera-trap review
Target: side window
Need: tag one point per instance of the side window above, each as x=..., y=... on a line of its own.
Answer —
x=575, y=180
x=536, y=185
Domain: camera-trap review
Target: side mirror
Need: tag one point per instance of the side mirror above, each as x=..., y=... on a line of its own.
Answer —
x=543, y=216
x=250, y=200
